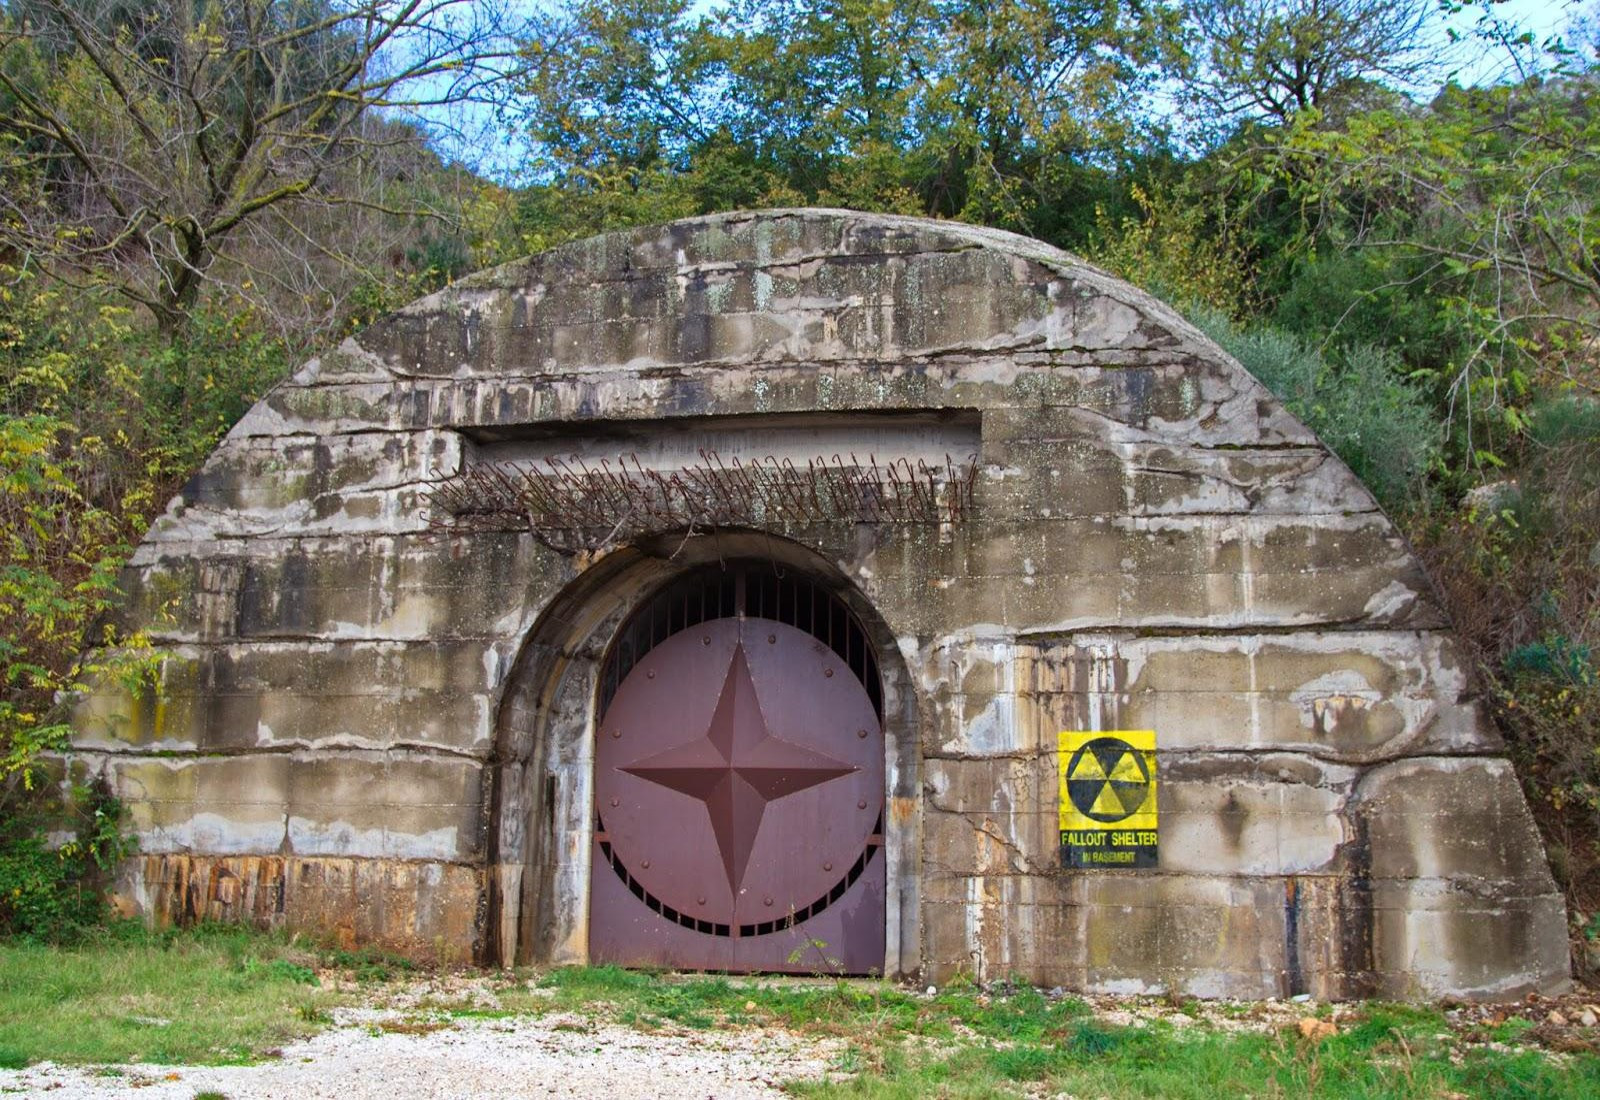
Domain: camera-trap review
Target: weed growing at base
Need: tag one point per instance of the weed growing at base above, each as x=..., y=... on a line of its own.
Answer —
x=227, y=995
x=968, y=1043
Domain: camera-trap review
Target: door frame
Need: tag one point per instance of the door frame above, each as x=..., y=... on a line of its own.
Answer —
x=540, y=798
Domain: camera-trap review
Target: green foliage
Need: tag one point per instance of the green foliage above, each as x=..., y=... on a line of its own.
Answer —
x=260, y=148
x=368, y=964
x=1359, y=402
x=100, y=421
x=207, y=995
x=1337, y=297
x=1553, y=657
x=1489, y=196
x=1520, y=567
x=1278, y=58
x=1007, y=114
x=52, y=891
x=1169, y=249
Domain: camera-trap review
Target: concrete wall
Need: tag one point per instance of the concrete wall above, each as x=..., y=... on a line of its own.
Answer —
x=374, y=726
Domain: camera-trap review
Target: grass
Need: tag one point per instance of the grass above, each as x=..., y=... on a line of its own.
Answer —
x=1390, y=1051
x=220, y=995
x=966, y=1043
x=212, y=995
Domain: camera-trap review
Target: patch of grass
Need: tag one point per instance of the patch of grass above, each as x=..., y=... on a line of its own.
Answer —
x=1094, y=1059
x=413, y=1025
x=835, y=1008
x=1024, y=1014
x=209, y=995
x=1512, y=1030
x=1380, y=1023
x=367, y=964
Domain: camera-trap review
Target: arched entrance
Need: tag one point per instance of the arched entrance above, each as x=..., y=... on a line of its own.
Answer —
x=547, y=868
x=739, y=781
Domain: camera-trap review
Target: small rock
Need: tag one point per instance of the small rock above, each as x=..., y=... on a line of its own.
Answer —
x=749, y=1006
x=1588, y=1018
x=1555, y=1019
x=1316, y=1030
x=932, y=989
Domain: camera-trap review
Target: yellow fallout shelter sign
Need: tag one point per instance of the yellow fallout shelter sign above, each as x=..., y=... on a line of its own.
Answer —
x=1108, y=798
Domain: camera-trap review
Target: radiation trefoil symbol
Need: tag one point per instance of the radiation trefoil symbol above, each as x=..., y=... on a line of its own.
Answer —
x=1109, y=815
x=1108, y=780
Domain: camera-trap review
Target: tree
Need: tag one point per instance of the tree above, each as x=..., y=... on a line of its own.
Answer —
x=1274, y=59
x=1496, y=192
x=144, y=142
x=990, y=112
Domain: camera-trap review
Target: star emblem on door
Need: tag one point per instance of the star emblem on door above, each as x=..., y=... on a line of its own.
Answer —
x=737, y=767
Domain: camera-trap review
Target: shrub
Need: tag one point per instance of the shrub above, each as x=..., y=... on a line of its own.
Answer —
x=52, y=888
x=1170, y=251
x=1360, y=403
x=1520, y=568
x=100, y=422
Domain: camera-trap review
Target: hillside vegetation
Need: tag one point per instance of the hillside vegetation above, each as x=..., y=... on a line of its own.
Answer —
x=1390, y=215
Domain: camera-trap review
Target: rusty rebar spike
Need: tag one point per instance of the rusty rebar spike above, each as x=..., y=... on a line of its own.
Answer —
x=889, y=484
x=734, y=476
x=785, y=488
x=849, y=494
x=871, y=478
x=912, y=491
x=719, y=481
x=696, y=500
x=844, y=493
x=853, y=475
x=914, y=483
x=716, y=470
x=763, y=487
x=595, y=486
x=749, y=471
x=745, y=483
x=614, y=494
x=811, y=486
x=661, y=489
x=703, y=476
x=596, y=503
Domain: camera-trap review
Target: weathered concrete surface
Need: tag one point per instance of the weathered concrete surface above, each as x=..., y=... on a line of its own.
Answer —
x=428, y=911
x=378, y=728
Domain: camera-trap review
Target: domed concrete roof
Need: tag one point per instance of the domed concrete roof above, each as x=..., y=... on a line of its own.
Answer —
x=379, y=687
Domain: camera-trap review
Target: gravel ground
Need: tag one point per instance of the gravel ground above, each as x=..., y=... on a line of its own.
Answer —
x=553, y=1055
x=402, y=1043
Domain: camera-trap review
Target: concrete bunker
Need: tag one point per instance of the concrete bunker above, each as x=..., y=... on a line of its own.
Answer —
x=1119, y=601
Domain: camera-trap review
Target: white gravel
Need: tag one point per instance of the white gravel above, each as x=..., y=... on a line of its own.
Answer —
x=554, y=1055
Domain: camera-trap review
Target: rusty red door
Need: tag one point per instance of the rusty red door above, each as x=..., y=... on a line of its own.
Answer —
x=739, y=799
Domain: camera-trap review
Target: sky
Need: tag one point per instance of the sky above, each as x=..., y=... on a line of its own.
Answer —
x=1545, y=18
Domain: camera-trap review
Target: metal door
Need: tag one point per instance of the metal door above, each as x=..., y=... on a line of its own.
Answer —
x=739, y=800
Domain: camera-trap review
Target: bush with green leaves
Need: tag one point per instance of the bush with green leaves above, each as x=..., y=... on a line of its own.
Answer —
x=53, y=888
x=1519, y=565
x=101, y=420
x=1359, y=401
